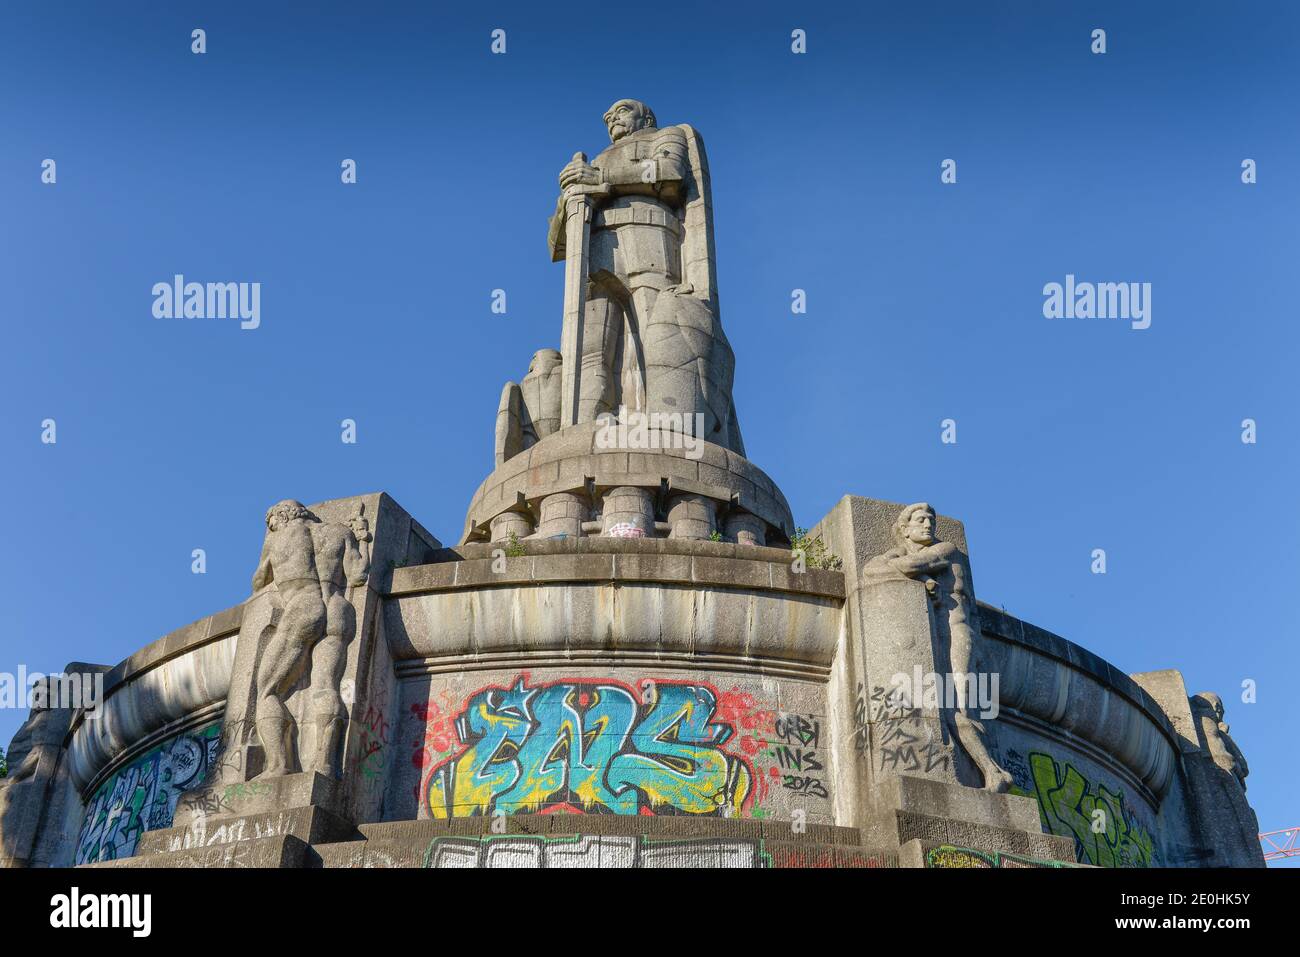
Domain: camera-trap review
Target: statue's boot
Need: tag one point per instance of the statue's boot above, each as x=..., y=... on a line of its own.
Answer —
x=274, y=732
x=331, y=737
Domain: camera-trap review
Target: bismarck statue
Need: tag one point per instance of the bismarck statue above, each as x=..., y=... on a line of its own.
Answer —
x=641, y=332
x=641, y=344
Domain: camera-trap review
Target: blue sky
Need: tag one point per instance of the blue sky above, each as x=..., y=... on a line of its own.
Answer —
x=924, y=299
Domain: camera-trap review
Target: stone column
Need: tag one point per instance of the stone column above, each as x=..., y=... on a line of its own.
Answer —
x=628, y=512
x=507, y=522
x=745, y=529
x=692, y=516
x=562, y=515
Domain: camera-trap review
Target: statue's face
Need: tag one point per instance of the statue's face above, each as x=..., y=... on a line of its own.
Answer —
x=920, y=527
x=624, y=117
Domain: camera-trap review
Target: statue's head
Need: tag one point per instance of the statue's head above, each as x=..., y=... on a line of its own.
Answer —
x=627, y=116
x=914, y=526
x=544, y=361
x=1208, y=701
x=282, y=513
x=42, y=694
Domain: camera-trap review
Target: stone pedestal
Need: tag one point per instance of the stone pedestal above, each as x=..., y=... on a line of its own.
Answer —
x=903, y=809
x=307, y=806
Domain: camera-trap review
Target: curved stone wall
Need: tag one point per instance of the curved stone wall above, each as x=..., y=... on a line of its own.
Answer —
x=173, y=685
x=623, y=676
x=633, y=677
x=1081, y=737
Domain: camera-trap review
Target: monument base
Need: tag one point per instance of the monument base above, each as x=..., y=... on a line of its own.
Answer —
x=306, y=806
x=911, y=816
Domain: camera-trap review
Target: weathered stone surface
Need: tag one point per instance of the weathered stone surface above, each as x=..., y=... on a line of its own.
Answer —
x=268, y=852
x=28, y=792
x=313, y=825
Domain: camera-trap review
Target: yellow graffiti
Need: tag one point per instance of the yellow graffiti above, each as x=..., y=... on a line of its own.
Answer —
x=588, y=746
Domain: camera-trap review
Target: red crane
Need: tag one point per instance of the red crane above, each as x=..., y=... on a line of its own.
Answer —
x=1280, y=844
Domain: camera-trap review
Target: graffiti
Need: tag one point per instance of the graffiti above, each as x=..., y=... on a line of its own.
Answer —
x=796, y=755
x=757, y=725
x=948, y=856
x=231, y=831
x=222, y=799
x=592, y=747
x=1014, y=764
x=604, y=851
x=436, y=739
x=372, y=740
x=142, y=796
x=611, y=851
x=1106, y=831
x=901, y=744
x=861, y=723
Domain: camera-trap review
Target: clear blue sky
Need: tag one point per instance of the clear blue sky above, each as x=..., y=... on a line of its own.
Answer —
x=924, y=300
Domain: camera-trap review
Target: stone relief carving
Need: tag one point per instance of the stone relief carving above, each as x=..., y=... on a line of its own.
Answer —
x=1218, y=791
x=530, y=410
x=32, y=757
x=311, y=567
x=939, y=566
x=1207, y=708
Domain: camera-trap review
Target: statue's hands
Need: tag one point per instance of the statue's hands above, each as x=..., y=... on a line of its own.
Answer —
x=682, y=289
x=579, y=173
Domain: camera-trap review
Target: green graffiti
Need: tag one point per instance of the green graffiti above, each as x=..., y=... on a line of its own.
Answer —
x=1105, y=831
x=141, y=796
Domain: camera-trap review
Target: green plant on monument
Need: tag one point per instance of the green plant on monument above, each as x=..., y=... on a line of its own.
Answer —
x=814, y=550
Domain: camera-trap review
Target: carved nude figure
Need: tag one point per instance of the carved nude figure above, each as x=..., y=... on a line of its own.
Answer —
x=311, y=565
x=939, y=565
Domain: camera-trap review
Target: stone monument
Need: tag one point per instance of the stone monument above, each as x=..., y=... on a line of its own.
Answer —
x=631, y=657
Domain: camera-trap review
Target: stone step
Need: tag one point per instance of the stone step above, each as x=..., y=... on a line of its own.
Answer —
x=591, y=850
x=918, y=853
x=313, y=825
x=933, y=831
x=272, y=852
x=657, y=826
